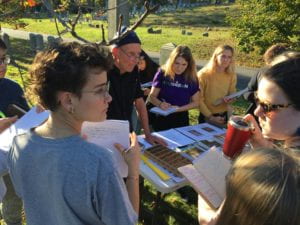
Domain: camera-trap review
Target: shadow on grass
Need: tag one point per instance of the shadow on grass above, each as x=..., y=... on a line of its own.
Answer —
x=167, y=210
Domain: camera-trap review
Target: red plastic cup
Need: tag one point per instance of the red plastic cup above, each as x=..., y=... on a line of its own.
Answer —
x=238, y=133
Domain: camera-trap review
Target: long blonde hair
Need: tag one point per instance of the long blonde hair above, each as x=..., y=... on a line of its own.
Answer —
x=262, y=188
x=211, y=66
x=190, y=74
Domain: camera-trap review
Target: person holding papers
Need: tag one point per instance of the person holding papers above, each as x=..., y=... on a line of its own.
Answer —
x=62, y=178
x=217, y=80
x=262, y=187
x=175, y=86
x=11, y=93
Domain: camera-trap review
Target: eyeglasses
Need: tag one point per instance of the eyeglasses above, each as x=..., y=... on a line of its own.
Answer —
x=101, y=92
x=5, y=60
x=131, y=56
x=267, y=107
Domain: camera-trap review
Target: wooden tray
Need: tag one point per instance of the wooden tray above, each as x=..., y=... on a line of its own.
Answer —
x=167, y=158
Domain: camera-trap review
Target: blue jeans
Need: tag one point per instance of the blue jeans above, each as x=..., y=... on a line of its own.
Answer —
x=11, y=207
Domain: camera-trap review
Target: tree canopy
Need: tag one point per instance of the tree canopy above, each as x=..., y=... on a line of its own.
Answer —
x=262, y=23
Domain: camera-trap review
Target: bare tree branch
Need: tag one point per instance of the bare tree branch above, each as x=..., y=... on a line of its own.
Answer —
x=136, y=24
x=71, y=25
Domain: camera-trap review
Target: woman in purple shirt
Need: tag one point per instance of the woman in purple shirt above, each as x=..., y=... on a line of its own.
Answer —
x=175, y=85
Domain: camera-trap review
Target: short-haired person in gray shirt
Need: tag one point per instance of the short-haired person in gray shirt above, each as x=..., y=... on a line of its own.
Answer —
x=62, y=178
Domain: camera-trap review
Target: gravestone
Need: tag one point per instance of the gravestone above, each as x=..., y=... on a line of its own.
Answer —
x=52, y=41
x=189, y=33
x=121, y=7
x=205, y=34
x=183, y=32
x=6, y=40
x=165, y=51
x=32, y=41
x=39, y=42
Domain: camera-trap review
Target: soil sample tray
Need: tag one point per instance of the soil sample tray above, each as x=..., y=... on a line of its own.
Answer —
x=167, y=158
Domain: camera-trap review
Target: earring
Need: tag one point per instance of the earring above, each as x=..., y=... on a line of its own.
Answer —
x=71, y=110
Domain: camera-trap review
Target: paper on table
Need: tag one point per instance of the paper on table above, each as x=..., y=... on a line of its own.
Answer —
x=209, y=129
x=194, y=133
x=106, y=134
x=142, y=141
x=162, y=112
x=174, y=138
x=29, y=120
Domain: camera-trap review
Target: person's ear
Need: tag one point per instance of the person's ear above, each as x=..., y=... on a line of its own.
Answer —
x=115, y=52
x=66, y=101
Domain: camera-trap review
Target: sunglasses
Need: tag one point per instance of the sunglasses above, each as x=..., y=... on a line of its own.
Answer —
x=267, y=107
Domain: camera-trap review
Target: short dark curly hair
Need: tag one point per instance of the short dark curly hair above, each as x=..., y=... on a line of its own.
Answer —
x=64, y=68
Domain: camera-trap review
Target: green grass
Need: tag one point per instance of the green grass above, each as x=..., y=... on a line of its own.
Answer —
x=195, y=21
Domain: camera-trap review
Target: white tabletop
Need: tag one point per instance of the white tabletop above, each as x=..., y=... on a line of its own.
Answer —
x=160, y=185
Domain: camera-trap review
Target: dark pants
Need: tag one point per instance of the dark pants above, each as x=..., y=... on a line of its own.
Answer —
x=201, y=118
x=173, y=120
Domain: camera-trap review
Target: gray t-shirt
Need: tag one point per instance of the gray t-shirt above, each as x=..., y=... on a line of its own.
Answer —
x=68, y=181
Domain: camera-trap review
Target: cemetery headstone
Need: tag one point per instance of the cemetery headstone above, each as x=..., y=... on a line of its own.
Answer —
x=189, y=33
x=165, y=52
x=52, y=41
x=6, y=40
x=32, y=41
x=39, y=42
x=183, y=32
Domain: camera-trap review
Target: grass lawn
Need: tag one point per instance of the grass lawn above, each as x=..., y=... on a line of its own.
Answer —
x=173, y=210
x=193, y=20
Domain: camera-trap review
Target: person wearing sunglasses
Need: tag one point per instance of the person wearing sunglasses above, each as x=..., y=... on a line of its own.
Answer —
x=10, y=93
x=278, y=106
x=62, y=178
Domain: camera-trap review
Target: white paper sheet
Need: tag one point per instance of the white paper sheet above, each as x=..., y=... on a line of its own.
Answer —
x=162, y=112
x=195, y=133
x=174, y=138
x=106, y=134
x=29, y=120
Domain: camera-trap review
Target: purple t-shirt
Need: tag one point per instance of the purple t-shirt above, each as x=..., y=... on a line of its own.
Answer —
x=176, y=92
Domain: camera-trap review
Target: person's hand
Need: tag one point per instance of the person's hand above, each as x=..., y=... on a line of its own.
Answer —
x=7, y=122
x=131, y=155
x=146, y=91
x=164, y=105
x=206, y=214
x=155, y=140
x=257, y=139
x=217, y=119
x=39, y=108
x=228, y=100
